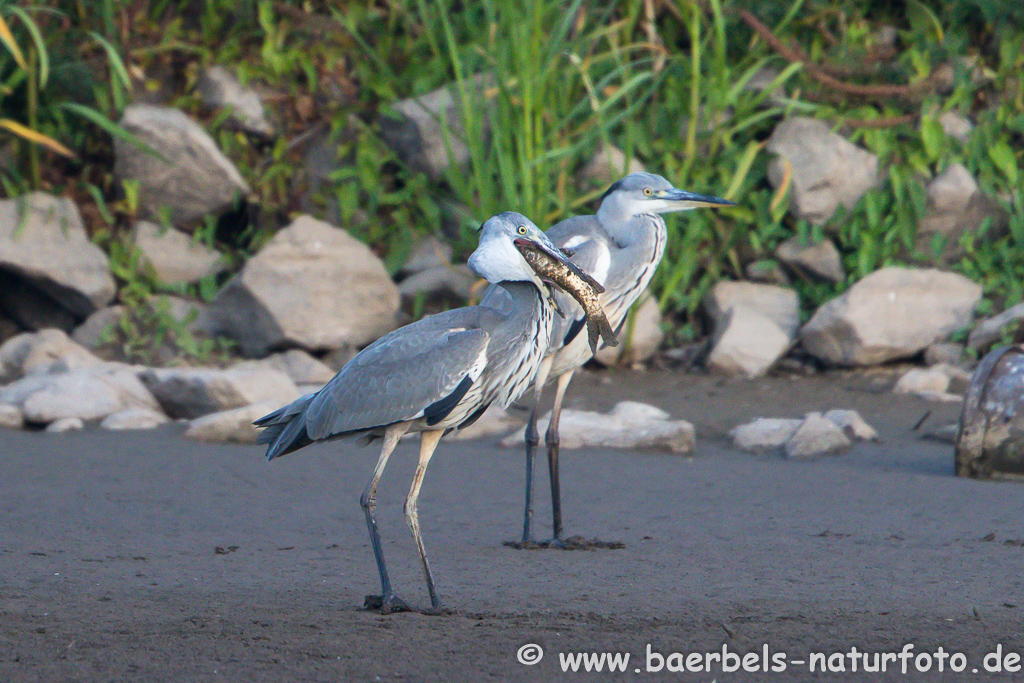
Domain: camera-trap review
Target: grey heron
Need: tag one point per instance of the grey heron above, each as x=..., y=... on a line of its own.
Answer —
x=431, y=376
x=620, y=247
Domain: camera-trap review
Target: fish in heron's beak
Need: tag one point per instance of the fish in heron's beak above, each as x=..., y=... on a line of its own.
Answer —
x=553, y=266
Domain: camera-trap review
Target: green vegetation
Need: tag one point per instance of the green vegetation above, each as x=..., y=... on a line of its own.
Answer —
x=667, y=81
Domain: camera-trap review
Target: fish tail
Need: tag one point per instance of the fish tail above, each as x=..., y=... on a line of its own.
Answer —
x=598, y=328
x=607, y=332
x=592, y=334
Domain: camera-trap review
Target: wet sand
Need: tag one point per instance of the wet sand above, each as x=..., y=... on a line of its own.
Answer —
x=146, y=556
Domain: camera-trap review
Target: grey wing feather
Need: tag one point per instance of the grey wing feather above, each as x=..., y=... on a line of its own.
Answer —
x=395, y=378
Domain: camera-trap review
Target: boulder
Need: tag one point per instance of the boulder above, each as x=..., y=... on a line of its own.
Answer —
x=852, y=424
x=764, y=432
x=956, y=206
x=747, y=343
x=11, y=417
x=51, y=275
x=608, y=164
x=815, y=436
x=220, y=89
x=44, y=352
x=639, y=344
x=780, y=304
x=194, y=392
x=301, y=367
x=427, y=131
x=192, y=179
x=174, y=256
x=628, y=425
x=89, y=393
x=892, y=313
x=94, y=329
x=820, y=259
x=932, y=383
x=311, y=286
x=826, y=169
x=235, y=425
x=65, y=424
x=133, y=418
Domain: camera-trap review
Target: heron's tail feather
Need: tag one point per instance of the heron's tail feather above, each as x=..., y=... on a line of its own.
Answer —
x=285, y=428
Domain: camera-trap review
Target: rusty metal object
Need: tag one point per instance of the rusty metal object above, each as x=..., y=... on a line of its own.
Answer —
x=990, y=444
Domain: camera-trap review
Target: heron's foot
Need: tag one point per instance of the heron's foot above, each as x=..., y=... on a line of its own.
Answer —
x=386, y=604
x=438, y=610
x=571, y=543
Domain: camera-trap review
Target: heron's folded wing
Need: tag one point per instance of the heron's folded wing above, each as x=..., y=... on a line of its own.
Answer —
x=397, y=378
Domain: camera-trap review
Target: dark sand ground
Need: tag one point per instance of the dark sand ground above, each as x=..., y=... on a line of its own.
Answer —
x=148, y=557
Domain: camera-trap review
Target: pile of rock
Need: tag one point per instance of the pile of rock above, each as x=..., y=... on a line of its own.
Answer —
x=808, y=437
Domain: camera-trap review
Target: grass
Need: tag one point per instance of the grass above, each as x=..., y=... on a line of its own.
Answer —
x=561, y=79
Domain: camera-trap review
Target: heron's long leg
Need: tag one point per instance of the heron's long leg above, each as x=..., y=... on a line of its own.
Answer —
x=552, y=440
x=428, y=444
x=368, y=501
x=532, y=441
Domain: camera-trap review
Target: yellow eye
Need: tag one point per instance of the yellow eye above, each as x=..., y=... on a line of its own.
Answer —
x=521, y=229
x=647, y=191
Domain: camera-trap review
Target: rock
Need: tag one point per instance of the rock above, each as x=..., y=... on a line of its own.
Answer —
x=608, y=165
x=429, y=253
x=821, y=259
x=90, y=393
x=11, y=417
x=44, y=352
x=827, y=170
x=174, y=256
x=892, y=313
x=65, y=424
x=192, y=180
x=94, y=329
x=764, y=432
x=133, y=418
x=219, y=88
x=301, y=367
x=955, y=207
x=642, y=342
x=780, y=304
x=944, y=352
x=956, y=126
x=494, y=422
x=235, y=425
x=422, y=129
x=455, y=281
x=194, y=315
x=747, y=343
x=50, y=273
x=194, y=392
x=628, y=425
x=815, y=436
x=312, y=286
x=990, y=330
x=930, y=383
x=767, y=271
x=852, y=424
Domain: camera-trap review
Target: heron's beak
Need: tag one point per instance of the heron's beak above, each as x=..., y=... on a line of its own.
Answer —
x=681, y=199
x=547, y=247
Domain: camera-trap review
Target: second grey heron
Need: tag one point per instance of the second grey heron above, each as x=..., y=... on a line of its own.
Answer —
x=620, y=247
x=431, y=376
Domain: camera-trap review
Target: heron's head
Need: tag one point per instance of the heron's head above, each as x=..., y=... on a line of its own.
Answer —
x=640, y=193
x=496, y=257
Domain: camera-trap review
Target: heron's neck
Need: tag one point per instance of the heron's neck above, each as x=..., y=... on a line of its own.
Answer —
x=527, y=298
x=645, y=231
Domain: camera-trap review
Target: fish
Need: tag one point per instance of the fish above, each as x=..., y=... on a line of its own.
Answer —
x=575, y=282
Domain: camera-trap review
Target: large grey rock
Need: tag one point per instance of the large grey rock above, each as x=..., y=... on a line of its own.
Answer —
x=932, y=383
x=820, y=259
x=301, y=367
x=769, y=433
x=892, y=313
x=608, y=164
x=194, y=392
x=639, y=344
x=747, y=343
x=133, y=418
x=90, y=393
x=50, y=273
x=95, y=329
x=628, y=425
x=852, y=424
x=174, y=256
x=827, y=170
x=312, y=286
x=816, y=435
x=990, y=330
x=764, y=432
x=235, y=425
x=44, y=352
x=423, y=129
x=192, y=179
x=780, y=304
x=956, y=206
x=219, y=88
